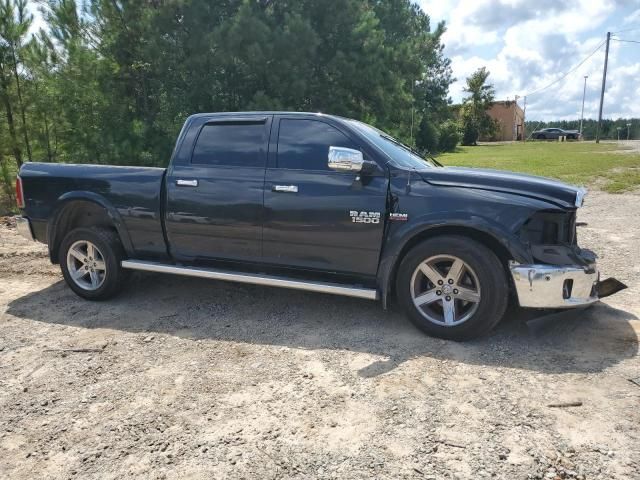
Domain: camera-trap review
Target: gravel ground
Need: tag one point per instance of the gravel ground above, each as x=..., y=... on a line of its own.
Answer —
x=187, y=378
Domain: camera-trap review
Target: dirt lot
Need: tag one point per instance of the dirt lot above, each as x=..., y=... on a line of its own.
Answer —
x=186, y=378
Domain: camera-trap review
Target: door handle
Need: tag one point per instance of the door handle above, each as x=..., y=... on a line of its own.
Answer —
x=285, y=188
x=187, y=183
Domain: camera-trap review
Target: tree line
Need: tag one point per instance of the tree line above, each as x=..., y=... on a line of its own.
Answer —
x=112, y=81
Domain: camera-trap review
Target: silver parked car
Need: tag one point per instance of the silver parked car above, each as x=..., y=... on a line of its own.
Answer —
x=555, y=133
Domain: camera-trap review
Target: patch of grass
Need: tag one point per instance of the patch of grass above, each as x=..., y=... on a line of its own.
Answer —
x=581, y=163
x=622, y=181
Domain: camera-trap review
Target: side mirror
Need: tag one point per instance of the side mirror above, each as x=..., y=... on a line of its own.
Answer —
x=344, y=159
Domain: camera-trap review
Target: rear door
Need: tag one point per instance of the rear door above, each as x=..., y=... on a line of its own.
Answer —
x=215, y=189
x=317, y=218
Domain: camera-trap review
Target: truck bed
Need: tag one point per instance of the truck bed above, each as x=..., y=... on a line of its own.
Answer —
x=131, y=195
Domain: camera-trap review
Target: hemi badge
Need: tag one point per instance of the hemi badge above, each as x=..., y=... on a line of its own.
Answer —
x=398, y=217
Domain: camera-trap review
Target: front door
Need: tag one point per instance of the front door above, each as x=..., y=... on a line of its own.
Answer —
x=316, y=218
x=214, y=193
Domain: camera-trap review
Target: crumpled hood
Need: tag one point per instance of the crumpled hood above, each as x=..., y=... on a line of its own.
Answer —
x=543, y=188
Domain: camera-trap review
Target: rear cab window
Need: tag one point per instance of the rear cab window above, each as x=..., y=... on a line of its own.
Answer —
x=233, y=143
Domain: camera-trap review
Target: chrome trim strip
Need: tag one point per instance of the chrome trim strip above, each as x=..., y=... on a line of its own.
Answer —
x=541, y=286
x=252, y=278
x=23, y=225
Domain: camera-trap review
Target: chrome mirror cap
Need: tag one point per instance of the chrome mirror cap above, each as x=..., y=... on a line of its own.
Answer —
x=344, y=159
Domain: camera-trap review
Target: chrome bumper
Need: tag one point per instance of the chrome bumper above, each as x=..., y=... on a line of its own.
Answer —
x=553, y=286
x=23, y=225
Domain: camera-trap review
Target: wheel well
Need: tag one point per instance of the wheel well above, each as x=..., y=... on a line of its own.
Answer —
x=479, y=236
x=78, y=213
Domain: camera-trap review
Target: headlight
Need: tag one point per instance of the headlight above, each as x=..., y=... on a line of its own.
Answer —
x=550, y=228
x=580, y=196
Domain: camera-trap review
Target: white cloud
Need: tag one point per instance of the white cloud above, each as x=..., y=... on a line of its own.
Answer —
x=633, y=18
x=528, y=45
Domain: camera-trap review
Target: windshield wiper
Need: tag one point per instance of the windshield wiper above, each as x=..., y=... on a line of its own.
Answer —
x=433, y=159
x=411, y=150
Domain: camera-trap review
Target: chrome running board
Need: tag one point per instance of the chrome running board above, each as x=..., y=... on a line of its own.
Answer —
x=257, y=279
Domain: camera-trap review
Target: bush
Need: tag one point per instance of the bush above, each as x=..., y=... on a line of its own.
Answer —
x=449, y=136
x=428, y=136
x=470, y=133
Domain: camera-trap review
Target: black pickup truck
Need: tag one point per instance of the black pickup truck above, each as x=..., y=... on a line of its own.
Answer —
x=321, y=203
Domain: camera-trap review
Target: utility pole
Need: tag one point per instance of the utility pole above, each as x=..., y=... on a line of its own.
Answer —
x=628, y=125
x=604, y=82
x=584, y=92
x=515, y=119
x=524, y=119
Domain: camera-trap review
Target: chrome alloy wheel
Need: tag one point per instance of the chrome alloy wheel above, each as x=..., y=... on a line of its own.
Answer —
x=445, y=290
x=86, y=265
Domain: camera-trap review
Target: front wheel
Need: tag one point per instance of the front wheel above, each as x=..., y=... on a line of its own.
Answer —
x=90, y=262
x=541, y=137
x=452, y=287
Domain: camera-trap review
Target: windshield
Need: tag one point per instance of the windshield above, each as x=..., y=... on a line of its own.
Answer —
x=399, y=154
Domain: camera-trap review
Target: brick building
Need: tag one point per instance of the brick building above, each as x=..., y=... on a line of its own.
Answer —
x=510, y=119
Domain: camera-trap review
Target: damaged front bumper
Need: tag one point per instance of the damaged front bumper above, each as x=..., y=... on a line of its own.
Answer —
x=556, y=286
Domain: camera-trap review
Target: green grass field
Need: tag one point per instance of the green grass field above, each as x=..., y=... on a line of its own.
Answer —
x=608, y=166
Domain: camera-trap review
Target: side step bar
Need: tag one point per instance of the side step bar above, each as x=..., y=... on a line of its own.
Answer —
x=257, y=279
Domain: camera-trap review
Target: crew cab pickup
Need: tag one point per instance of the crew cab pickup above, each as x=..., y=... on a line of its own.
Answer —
x=322, y=203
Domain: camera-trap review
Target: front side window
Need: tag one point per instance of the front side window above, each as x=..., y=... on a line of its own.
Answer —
x=304, y=144
x=231, y=144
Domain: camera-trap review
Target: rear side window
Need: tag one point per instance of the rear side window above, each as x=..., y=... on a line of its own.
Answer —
x=235, y=144
x=304, y=144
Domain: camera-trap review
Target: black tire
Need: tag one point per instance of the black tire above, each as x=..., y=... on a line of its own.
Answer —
x=488, y=273
x=541, y=137
x=110, y=248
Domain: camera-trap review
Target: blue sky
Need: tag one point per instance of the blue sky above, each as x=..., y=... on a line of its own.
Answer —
x=527, y=44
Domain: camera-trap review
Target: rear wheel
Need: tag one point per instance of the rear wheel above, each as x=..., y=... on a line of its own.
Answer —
x=90, y=262
x=452, y=287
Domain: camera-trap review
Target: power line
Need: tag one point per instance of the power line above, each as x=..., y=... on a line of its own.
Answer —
x=626, y=30
x=567, y=73
x=626, y=41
